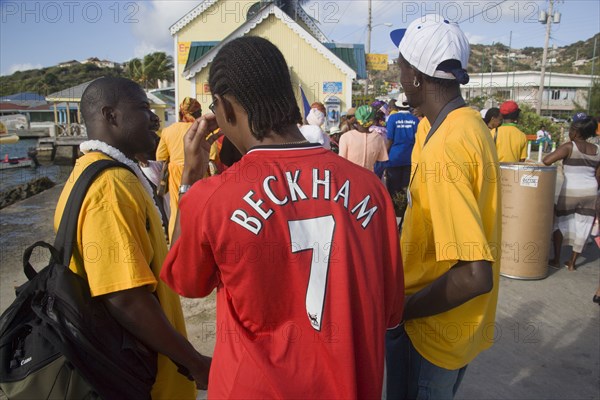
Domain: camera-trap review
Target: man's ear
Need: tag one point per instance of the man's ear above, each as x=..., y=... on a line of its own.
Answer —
x=227, y=109
x=109, y=114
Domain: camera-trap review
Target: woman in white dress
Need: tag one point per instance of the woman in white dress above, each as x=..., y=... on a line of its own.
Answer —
x=575, y=210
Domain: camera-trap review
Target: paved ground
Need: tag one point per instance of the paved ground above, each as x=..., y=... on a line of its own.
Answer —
x=547, y=332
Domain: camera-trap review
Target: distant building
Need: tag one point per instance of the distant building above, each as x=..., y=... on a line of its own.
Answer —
x=100, y=63
x=324, y=70
x=68, y=63
x=66, y=105
x=549, y=61
x=560, y=90
x=580, y=63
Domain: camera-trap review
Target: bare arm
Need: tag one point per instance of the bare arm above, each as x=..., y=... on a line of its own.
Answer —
x=139, y=312
x=197, y=153
x=560, y=153
x=389, y=144
x=463, y=282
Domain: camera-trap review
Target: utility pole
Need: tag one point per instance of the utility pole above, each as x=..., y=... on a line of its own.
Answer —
x=548, y=21
x=508, y=61
x=369, y=29
x=491, y=71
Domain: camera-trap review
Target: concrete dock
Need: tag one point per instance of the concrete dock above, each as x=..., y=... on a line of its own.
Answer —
x=547, y=331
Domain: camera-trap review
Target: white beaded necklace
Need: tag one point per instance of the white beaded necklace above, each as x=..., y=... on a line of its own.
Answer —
x=116, y=154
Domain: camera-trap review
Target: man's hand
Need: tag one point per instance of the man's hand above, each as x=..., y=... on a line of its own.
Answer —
x=139, y=312
x=201, y=372
x=196, y=144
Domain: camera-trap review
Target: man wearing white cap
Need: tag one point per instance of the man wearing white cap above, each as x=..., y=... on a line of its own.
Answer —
x=452, y=223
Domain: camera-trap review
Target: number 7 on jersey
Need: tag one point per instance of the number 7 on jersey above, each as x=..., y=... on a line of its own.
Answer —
x=314, y=234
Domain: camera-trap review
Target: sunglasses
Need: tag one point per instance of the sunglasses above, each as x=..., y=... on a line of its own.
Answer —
x=212, y=105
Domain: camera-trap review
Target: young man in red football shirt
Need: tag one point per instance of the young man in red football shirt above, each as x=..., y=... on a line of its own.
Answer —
x=301, y=244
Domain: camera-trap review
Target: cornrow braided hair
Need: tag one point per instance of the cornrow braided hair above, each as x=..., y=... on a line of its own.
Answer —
x=254, y=71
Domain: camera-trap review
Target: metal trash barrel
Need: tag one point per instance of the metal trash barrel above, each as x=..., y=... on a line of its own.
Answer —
x=527, y=219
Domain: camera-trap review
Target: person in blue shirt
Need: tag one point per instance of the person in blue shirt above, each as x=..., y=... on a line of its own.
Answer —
x=401, y=130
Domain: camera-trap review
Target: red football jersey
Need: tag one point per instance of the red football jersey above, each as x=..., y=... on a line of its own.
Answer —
x=303, y=248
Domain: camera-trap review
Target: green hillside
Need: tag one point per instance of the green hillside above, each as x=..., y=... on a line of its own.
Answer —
x=52, y=79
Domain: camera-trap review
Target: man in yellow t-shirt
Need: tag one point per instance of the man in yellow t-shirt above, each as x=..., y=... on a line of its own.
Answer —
x=452, y=222
x=511, y=143
x=120, y=241
x=170, y=148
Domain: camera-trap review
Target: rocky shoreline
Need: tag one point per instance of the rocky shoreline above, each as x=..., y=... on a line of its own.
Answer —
x=24, y=191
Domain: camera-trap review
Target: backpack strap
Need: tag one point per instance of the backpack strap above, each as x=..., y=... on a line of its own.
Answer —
x=65, y=237
x=496, y=135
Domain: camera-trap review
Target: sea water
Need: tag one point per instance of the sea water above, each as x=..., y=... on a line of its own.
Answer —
x=10, y=178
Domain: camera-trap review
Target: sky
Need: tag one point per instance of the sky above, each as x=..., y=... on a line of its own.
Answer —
x=35, y=34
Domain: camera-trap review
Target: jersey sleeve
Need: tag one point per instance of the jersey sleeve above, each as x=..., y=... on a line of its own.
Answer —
x=455, y=215
x=190, y=268
x=114, y=236
x=162, y=151
x=394, y=276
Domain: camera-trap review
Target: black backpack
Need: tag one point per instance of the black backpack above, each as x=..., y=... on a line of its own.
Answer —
x=54, y=332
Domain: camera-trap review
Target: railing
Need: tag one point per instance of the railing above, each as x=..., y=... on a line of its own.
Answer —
x=73, y=130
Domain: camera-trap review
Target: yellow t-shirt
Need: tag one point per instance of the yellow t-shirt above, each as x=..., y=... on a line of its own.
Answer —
x=121, y=245
x=454, y=214
x=170, y=148
x=511, y=143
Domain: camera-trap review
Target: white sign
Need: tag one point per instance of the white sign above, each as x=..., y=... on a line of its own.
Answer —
x=530, y=181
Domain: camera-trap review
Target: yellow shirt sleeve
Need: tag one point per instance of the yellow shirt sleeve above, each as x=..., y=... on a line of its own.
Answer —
x=456, y=220
x=162, y=151
x=214, y=151
x=116, y=245
x=524, y=148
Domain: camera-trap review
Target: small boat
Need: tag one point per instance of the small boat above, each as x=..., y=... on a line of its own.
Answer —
x=8, y=139
x=15, y=162
x=5, y=137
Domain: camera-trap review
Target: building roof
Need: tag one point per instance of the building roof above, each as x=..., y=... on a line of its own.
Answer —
x=197, y=51
x=155, y=100
x=250, y=24
x=528, y=79
x=206, y=4
x=43, y=107
x=70, y=94
x=5, y=106
x=24, y=96
x=190, y=16
x=353, y=55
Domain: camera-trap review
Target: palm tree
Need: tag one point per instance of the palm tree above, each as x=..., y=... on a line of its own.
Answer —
x=158, y=66
x=147, y=72
x=134, y=70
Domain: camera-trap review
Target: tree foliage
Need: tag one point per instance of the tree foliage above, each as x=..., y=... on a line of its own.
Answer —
x=147, y=71
x=152, y=68
x=592, y=98
x=52, y=79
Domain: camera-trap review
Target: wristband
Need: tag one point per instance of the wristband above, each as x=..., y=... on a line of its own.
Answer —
x=183, y=189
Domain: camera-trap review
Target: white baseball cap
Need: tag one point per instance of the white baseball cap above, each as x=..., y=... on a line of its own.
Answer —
x=402, y=100
x=431, y=40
